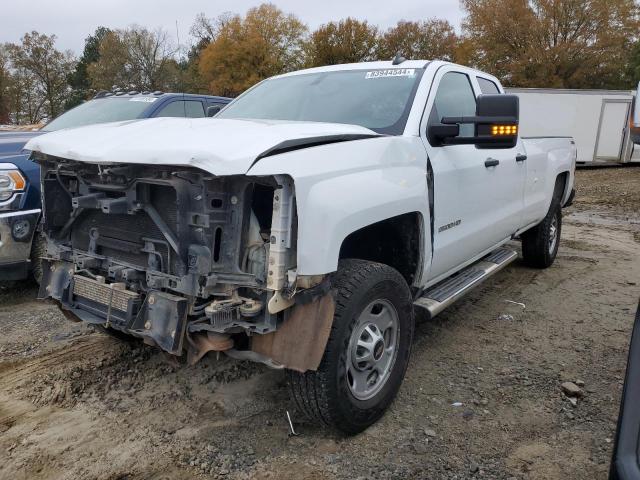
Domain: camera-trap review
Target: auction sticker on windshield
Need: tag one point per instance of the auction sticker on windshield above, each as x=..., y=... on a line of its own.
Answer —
x=391, y=72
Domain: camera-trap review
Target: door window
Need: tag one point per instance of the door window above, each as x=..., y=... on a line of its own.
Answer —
x=455, y=98
x=487, y=86
x=183, y=108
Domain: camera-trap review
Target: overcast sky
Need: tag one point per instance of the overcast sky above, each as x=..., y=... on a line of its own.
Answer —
x=73, y=20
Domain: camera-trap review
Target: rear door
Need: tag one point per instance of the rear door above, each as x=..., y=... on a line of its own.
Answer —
x=513, y=166
x=473, y=201
x=612, y=129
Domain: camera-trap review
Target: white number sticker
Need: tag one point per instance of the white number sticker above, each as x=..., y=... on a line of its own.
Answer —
x=143, y=99
x=391, y=72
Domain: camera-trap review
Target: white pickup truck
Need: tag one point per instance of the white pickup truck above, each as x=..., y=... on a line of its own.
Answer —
x=304, y=224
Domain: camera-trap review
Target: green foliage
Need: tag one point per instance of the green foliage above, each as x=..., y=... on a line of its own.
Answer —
x=135, y=58
x=79, y=79
x=432, y=39
x=346, y=41
x=632, y=76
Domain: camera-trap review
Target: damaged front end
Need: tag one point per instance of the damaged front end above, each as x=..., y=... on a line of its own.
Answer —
x=183, y=259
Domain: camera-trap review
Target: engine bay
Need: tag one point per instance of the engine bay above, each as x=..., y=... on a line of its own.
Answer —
x=182, y=258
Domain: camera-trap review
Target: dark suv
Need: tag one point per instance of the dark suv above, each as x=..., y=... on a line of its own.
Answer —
x=20, y=177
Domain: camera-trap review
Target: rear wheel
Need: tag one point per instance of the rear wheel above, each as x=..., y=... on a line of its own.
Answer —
x=540, y=244
x=367, y=352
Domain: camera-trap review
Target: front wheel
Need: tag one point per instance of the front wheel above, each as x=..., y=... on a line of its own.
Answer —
x=367, y=352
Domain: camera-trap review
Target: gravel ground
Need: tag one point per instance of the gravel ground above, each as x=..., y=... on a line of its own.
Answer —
x=482, y=397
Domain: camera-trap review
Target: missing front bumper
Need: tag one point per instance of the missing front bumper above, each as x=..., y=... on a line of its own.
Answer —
x=158, y=317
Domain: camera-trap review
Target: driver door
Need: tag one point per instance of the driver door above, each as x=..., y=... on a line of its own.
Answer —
x=473, y=197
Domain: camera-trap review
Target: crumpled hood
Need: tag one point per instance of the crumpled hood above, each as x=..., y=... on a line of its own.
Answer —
x=218, y=146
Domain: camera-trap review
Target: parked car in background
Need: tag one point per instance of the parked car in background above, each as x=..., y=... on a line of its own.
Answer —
x=303, y=225
x=20, y=177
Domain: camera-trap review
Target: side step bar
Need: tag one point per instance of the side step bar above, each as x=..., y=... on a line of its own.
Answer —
x=440, y=296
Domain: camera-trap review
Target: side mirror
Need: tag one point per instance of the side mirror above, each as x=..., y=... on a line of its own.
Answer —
x=496, y=124
x=213, y=110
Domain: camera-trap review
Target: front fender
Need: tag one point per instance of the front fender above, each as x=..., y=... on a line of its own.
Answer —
x=341, y=188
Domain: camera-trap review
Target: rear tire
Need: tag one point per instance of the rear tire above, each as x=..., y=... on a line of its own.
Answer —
x=367, y=352
x=540, y=244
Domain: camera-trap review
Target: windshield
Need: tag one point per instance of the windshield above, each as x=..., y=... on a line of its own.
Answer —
x=376, y=99
x=102, y=110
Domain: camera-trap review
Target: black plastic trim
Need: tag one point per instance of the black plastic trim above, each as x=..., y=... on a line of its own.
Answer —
x=626, y=452
x=308, y=142
x=14, y=270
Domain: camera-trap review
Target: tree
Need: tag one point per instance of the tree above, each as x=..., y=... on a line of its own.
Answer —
x=112, y=68
x=5, y=86
x=346, y=41
x=49, y=68
x=247, y=50
x=431, y=39
x=552, y=43
x=632, y=76
x=135, y=58
x=205, y=29
x=79, y=79
x=152, y=57
x=26, y=101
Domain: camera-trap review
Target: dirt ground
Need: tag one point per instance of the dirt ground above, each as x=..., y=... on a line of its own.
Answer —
x=78, y=404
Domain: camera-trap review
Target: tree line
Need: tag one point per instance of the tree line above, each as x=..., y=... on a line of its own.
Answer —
x=525, y=43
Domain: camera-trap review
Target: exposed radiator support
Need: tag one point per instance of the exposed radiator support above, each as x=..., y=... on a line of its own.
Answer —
x=280, y=239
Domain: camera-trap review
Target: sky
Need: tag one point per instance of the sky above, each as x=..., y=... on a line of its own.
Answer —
x=73, y=20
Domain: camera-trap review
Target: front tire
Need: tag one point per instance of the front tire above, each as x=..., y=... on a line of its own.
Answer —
x=367, y=352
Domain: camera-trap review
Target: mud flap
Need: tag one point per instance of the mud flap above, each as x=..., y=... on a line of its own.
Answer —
x=299, y=342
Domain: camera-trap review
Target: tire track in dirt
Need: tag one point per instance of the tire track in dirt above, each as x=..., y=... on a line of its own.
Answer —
x=18, y=372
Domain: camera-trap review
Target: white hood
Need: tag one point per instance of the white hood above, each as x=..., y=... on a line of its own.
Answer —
x=218, y=146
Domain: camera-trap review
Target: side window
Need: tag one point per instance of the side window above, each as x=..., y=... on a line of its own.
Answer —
x=487, y=86
x=455, y=98
x=221, y=105
x=180, y=108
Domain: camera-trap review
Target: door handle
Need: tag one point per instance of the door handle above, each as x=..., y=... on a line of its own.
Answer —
x=520, y=158
x=491, y=162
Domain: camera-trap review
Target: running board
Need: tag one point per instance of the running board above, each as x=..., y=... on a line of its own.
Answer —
x=443, y=294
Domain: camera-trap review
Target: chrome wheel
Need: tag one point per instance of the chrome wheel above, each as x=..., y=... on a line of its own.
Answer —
x=553, y=234
x=373, y=348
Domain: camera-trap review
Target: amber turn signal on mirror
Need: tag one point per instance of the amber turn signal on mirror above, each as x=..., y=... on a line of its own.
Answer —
x=504, y=129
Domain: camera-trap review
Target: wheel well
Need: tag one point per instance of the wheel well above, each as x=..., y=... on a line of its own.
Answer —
x=562, y=183
x=395, y=241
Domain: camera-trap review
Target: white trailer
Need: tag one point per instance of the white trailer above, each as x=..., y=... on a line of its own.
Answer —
x=600, y=121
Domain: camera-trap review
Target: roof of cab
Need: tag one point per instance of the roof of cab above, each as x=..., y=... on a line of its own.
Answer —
x=159, y=94
x=361, y=66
